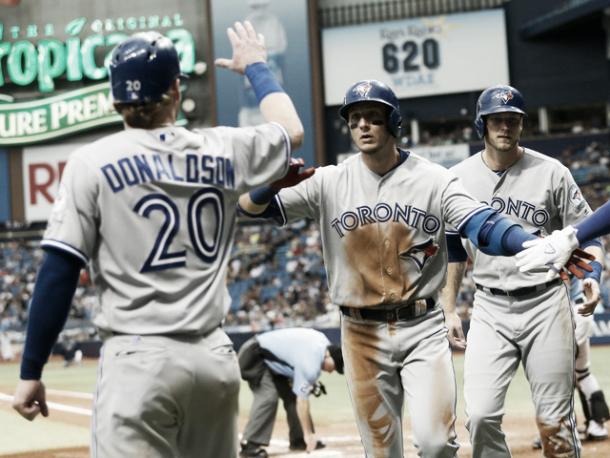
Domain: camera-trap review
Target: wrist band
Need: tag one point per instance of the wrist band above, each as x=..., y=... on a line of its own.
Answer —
x=596, y=274
x=263, y=195
x=262, y=80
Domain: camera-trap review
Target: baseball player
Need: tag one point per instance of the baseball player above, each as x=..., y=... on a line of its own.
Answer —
x=586, y=296
x=286, y=364
x=151, y=209
x=382, y=215
x=516, y=317
x=552, y=252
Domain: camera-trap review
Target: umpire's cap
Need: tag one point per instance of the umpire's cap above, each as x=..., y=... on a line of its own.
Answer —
x=143, y=67
x=373, y=91
x=337, y=356
x=497, y=99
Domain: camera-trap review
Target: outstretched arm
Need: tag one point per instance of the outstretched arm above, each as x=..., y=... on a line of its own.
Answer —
x=555, y=250
x=256, y=202
x=497, y=235
x=250, y=58
x=595, y=225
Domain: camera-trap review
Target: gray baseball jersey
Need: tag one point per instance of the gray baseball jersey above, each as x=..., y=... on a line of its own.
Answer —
x=384, y=245
x=154, y=210
x=383, y=237
x=538, y=192
x=535, y=328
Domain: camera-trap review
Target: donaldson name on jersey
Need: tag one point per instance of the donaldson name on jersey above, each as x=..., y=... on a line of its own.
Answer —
x=190, y=168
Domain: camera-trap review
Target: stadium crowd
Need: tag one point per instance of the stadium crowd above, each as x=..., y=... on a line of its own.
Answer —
x=276, y=275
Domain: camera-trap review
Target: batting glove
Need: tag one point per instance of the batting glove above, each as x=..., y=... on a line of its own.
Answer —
x=294, y=175
x=554, y=252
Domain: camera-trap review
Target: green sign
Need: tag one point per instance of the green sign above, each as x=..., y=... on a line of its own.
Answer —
x=53, y=117
x=74, y=59
x=35, y=55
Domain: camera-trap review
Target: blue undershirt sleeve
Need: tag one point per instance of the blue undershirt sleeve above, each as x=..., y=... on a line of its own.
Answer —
x=455, y=249
x=55, y=285
x=595, y=225
x=272, y=212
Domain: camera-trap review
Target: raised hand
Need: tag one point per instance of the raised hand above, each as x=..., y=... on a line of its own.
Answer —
x=294, y=175
x=248, y=47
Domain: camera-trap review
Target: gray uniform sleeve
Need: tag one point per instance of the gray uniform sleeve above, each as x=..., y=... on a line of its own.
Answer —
x=261, y=154
x=72, y=225
x=569, y=201
x=458, y=205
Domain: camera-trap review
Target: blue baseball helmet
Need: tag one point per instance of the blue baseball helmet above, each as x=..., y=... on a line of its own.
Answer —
x=497, y=99
x=373, y=91
x=143, y=67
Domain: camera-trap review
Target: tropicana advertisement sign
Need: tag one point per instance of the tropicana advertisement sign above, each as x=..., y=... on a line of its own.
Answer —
x=33, y=57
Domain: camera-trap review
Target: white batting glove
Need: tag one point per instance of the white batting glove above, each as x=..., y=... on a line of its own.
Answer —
x=552, y=252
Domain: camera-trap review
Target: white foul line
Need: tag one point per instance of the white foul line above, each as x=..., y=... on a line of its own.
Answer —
x=71, y=394
x=55, y=406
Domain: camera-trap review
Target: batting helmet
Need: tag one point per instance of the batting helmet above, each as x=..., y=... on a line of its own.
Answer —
x=497, y=99
x=143, y=67
x=373, y=91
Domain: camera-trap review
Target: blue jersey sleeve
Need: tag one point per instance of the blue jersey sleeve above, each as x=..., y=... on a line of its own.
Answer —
x=596, y=225
x=51, y=300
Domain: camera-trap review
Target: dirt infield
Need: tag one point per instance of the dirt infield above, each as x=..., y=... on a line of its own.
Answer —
x=341, y=438
x=332, y=415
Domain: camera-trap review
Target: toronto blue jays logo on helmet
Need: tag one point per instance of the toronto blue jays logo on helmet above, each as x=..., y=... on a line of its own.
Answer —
x=363, y=89
x=505, y=96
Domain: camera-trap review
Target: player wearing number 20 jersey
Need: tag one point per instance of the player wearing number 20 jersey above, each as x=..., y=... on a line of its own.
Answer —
x=151, y=210
x=143, y=204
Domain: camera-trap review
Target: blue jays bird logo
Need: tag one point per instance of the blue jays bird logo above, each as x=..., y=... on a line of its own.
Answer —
x=505, y=96
x=421, y=252
x=363, y=89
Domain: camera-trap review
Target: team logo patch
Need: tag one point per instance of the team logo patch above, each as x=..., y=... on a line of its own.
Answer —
x=505, y=96
x=60, y=205
x=576, y=197
x=363, y=89
x=421, y=253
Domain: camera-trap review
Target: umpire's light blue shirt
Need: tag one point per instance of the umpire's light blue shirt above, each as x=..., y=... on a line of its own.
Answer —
x=303, y=349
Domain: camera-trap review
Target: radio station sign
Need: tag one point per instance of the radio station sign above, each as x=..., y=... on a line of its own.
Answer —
x=418, y=57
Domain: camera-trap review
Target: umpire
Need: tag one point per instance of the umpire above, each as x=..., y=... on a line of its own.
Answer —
x=286, y=364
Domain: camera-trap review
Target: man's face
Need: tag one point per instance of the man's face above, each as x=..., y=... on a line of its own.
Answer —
x=367, y=122
x=504, y=130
